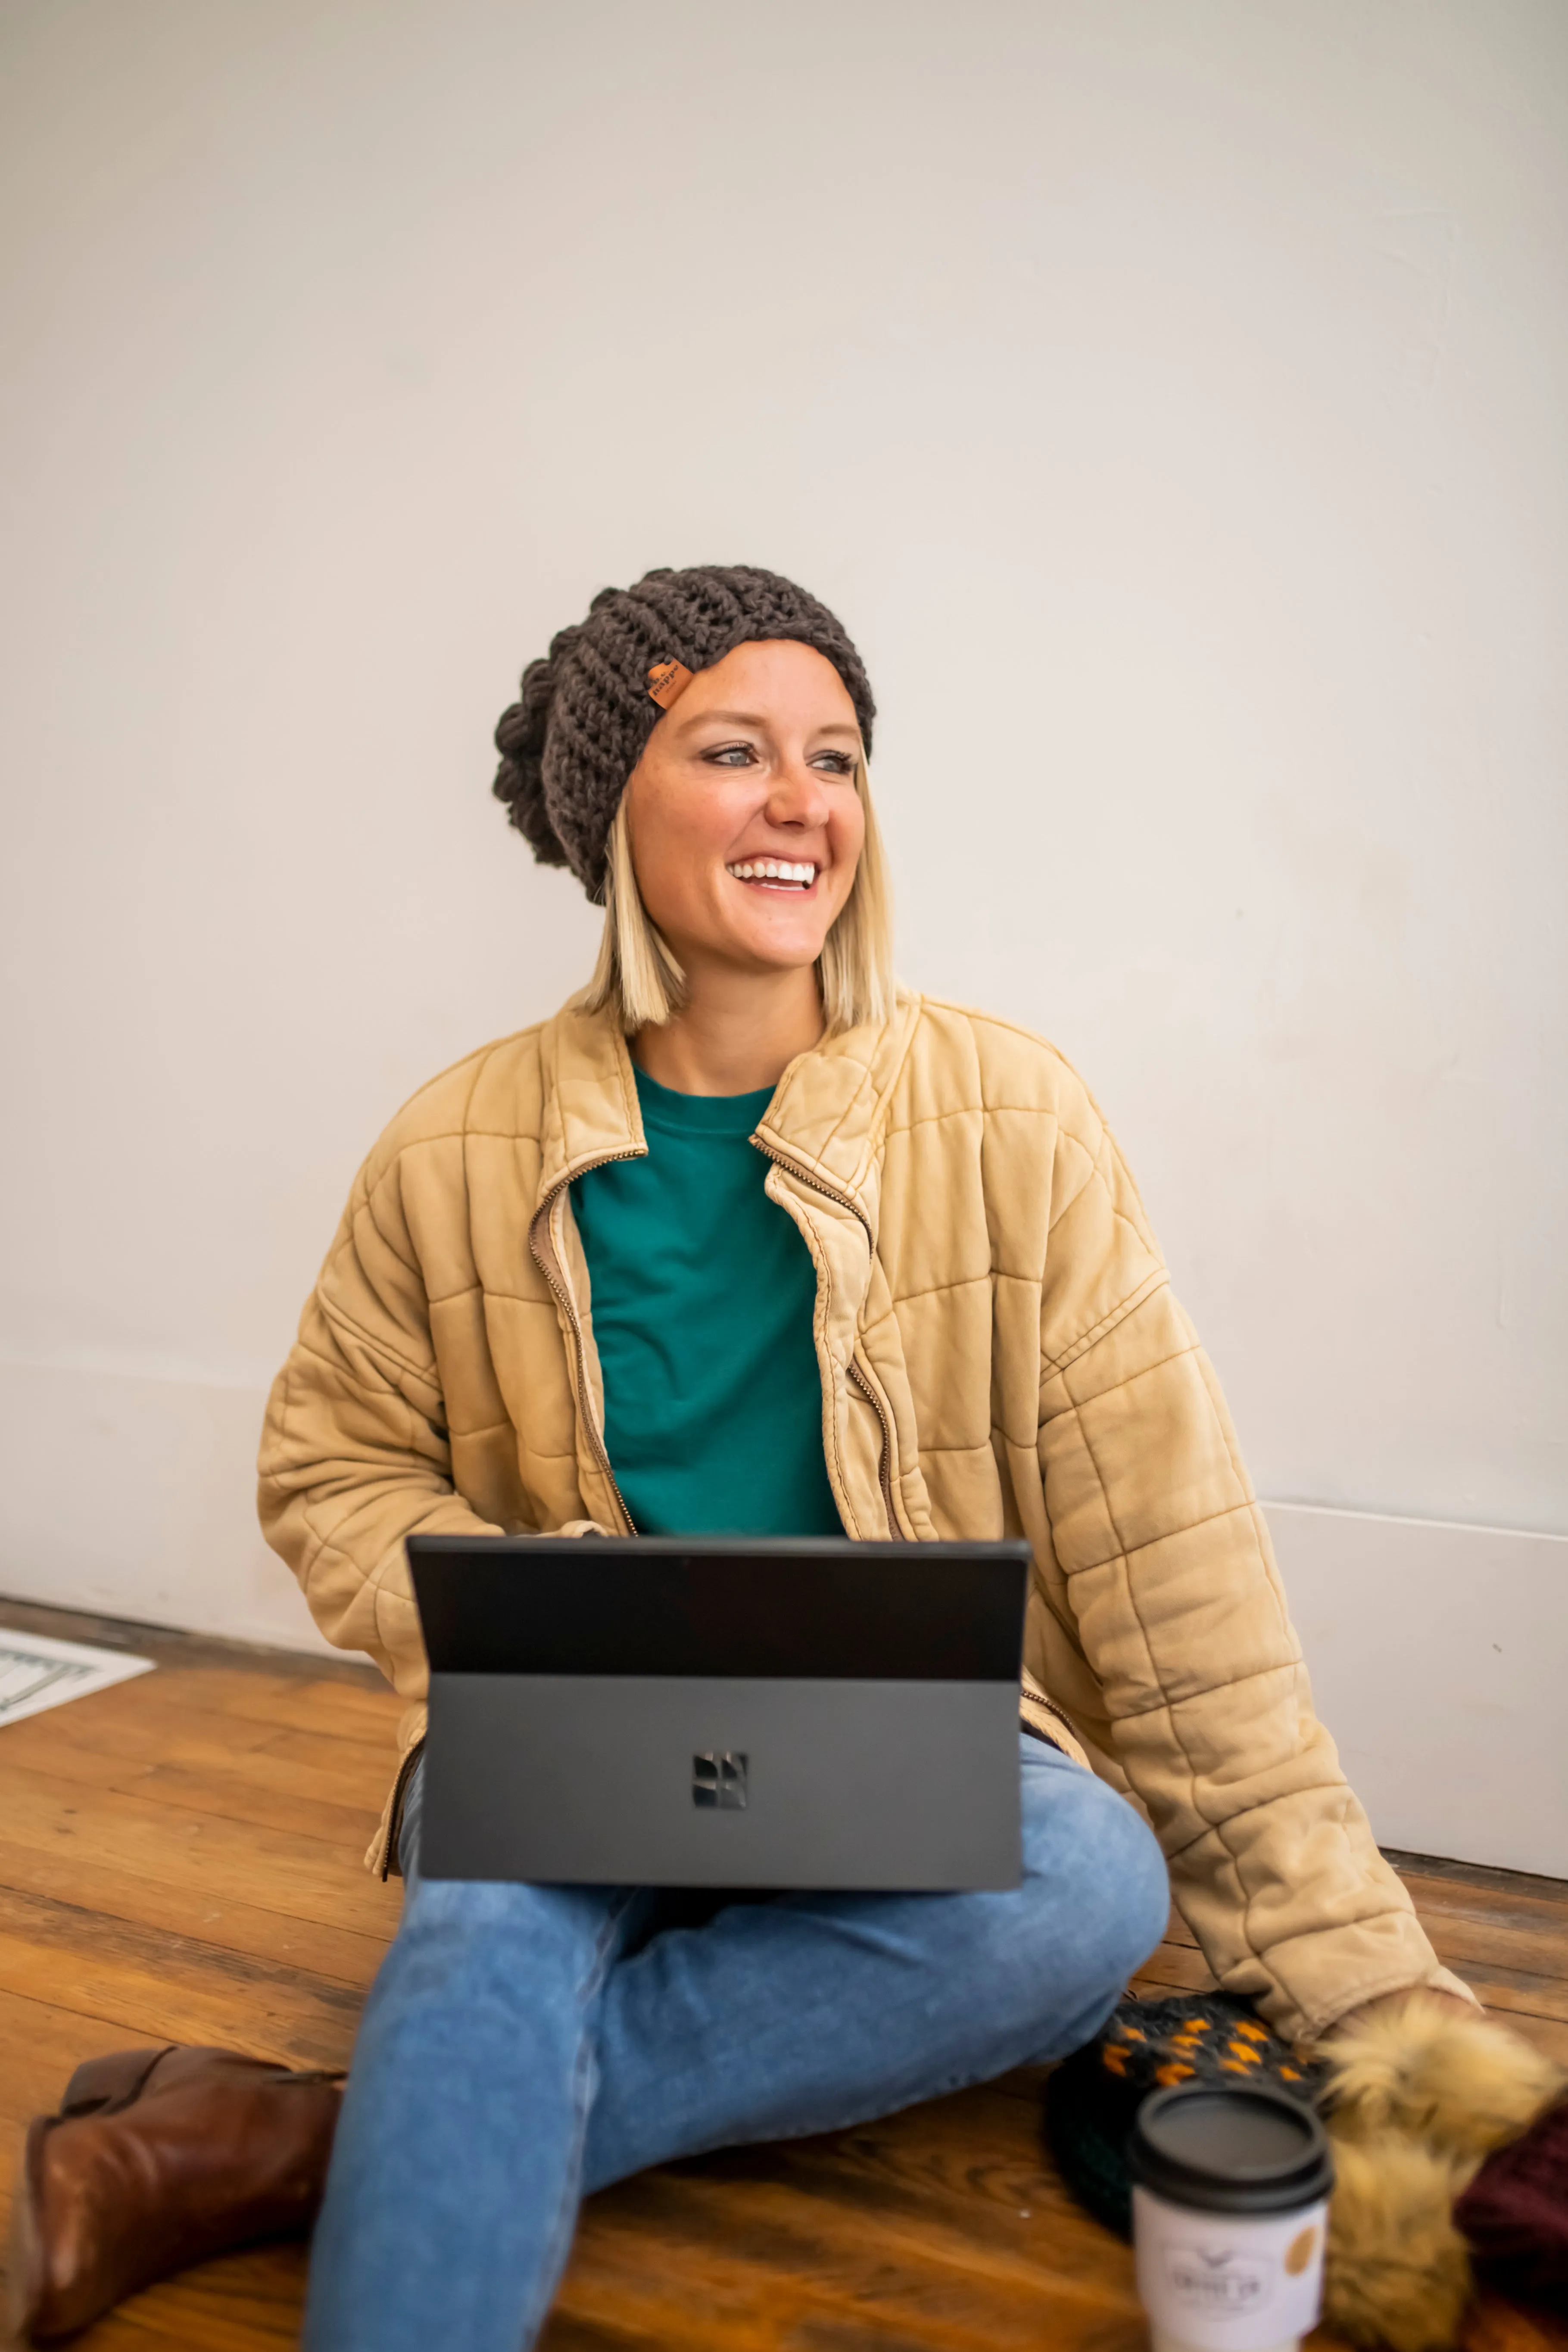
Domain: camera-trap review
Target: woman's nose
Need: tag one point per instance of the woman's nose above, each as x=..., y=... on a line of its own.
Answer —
x=798, y=796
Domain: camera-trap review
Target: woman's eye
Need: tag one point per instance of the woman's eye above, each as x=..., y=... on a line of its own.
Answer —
x=745, y=755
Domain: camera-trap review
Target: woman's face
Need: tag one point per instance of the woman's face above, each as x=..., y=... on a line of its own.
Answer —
x=752, y=768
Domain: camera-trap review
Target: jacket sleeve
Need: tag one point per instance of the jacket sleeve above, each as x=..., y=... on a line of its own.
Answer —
x=1182, y=1617
x=354, y=1453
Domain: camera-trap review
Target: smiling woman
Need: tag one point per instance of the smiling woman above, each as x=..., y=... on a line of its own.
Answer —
x=768, y=873
x=745, y=1239
x=743, y=821
x=745, y=865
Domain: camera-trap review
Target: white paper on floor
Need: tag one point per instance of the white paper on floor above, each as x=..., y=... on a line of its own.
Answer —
x=36, y=1673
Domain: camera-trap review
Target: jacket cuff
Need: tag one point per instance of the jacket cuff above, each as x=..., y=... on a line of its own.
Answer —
x=1410, y=1978
x=1307, y=1983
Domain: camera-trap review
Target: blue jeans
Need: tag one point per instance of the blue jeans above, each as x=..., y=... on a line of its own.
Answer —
x=525, y=2045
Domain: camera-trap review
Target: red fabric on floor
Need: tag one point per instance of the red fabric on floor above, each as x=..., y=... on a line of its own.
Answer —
x=1514, y=2214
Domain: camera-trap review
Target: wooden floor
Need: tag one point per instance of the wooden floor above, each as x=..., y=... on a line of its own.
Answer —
x=179, y=1861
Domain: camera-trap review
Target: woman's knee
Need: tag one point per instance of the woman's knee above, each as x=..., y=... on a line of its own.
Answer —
x=468, y=1943
x=473, y=1911
x=1091, y=1858
x=460, y=1924
x=1091, y=1906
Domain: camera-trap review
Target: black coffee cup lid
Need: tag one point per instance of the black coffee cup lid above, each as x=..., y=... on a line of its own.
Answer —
x=1230, y=2152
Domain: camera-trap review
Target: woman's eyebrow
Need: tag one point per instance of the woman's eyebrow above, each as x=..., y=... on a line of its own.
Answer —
x=755, y=718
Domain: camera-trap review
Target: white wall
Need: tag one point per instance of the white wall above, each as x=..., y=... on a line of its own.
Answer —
x=1170, y=398
x=1438, y=1656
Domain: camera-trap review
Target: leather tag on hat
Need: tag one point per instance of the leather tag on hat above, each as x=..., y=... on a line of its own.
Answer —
x=666, y=680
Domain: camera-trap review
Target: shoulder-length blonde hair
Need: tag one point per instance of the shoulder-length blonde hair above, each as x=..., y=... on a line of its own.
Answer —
x=639, y=978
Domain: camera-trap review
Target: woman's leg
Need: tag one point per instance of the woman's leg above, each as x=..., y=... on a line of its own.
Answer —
x=810, y=2011
x=454, y=2184
x=510, y=2058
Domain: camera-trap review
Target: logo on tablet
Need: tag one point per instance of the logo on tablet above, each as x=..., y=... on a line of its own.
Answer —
x=719, y=1780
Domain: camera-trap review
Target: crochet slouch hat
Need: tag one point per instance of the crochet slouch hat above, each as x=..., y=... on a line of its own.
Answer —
x=576, y=732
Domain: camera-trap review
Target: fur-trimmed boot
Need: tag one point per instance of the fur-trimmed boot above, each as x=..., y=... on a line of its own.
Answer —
x=1418, y=2095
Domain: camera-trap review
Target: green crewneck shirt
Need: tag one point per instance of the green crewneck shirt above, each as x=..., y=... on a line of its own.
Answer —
x=703, y=1293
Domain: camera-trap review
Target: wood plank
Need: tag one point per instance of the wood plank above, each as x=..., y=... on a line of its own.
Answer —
x=147, y=1724
x=44, y=2046
x=976, y=2162
x=218, y=1789
x=342, y=1955
x=156, y=1728
x=152, y=1703
x=307, y=1878
x=318, y=1752
x=146, y=1721
x=1464, y=1943
x=249, y=2302
x=1516, y=1992
x=1458, y=1906
x=164, y=1987
x=135, y=1750
x=327, y=1704
x=1503, y=1887
x=719, y=2248
x=284, y=1700
x=1544, y=2034
x=1438, y=1898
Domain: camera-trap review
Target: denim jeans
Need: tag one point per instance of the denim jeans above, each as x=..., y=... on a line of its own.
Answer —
x=524, y=2046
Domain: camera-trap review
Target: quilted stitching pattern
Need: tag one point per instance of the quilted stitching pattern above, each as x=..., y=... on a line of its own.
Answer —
x=982, y=1255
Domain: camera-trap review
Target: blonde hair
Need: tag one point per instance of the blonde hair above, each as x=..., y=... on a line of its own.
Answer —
x=639, y=978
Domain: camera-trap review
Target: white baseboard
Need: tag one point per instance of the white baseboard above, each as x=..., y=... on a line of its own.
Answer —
x=1440, y=1661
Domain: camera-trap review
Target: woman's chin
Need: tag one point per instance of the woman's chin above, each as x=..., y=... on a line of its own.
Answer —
x=775, y=946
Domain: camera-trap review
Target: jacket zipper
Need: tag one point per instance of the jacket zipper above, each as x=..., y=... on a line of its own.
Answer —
x=394, y=1811
x=549, y=1266
x=1039, y=1699
x=884, y=1458
x=884, y=1465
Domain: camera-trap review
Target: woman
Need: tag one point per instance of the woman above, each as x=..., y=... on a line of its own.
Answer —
x=745, y=1239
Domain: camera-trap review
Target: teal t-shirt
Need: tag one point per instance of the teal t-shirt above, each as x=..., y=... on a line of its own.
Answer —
x=703, y=1293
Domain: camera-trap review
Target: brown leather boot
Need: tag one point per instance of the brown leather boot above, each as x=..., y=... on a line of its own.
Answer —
x=157, y=2158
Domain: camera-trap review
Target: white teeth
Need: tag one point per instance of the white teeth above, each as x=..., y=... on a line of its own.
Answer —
x=773, y=869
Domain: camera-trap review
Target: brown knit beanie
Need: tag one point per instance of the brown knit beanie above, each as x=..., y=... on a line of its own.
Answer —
x=570, y=742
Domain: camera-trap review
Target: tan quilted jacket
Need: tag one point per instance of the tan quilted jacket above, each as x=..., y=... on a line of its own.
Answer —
x=1000, y=1354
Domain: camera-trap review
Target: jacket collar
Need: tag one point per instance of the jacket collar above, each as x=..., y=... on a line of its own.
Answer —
x=826, y=1119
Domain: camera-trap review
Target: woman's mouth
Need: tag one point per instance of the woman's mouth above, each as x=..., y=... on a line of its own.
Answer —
x=774, y=873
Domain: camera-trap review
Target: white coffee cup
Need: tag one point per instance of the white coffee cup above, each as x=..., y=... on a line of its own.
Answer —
x=1230, y=2192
